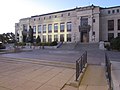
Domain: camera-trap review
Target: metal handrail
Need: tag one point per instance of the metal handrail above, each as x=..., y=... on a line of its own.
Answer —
x=80, y=64
x=108, y=70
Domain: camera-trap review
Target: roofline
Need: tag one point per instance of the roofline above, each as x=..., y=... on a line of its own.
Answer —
x=25, y=18
x=110, y=7
x=54, y=12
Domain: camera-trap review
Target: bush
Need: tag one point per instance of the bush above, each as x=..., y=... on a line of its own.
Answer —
x=20, y=44
x=54, y=43
x=115, y=43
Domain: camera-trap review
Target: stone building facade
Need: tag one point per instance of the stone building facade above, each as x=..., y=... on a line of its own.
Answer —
x=89, y=24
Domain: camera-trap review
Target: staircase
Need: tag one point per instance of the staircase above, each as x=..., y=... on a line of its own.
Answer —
x=87, y=46
x=68, y=46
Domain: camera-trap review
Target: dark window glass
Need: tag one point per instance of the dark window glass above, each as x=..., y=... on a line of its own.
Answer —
x=39, y=28
x=56, y=27
x=69, y=26
x=118, y=34
x=68, y=14
x=68, y=37
x=110, y=25
x=62, y=37
x=34, y=19
x=113, y=11
x=110, y=36
x=61, y=15
x=118, y=24
x=118, y=11
x=39, y=18
x=34, y=29
x=49, y=17
x=108, y=11
x=84, y=21
x=93, y=20
x=49, y=28
x=49, y=38
x=62, y=27
x=44, y=28
x=55, y=37
x=44, y=38
x=55, y=16
x=44, y=18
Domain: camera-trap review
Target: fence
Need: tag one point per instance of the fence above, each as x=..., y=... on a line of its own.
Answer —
x=108, y=70
x=80, y=64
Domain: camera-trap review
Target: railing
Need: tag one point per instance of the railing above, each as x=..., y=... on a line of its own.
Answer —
x=60, y=44
x=108, y=70
x=80, y=64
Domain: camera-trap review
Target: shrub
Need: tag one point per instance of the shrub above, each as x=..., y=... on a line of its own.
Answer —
x=20, y=44
x=115, y=43
x=54, y=43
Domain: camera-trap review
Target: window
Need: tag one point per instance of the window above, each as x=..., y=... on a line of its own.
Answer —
x=68, y=14
x=113, y=11
x=62, y=27
x=24, y=27
x=49, y=28
x=56, y=38
x=34, y=19
x=61, y=15
x=49, y=17
x=118, y=34
x=110, y=36
x=69, y=26
x=56, y=27
x=55, y=16
x=44, y=38
x=84, y=21
x=44, y=28
x=118, y=11
x=39, y=18
x=49, y=38
x=110, y=25
x=118, y=24
x=108, y=11
x=93, y=20
x=39, y=28
x=34, y=29
x=44, y=18
x=68, y=37
x=62, y=37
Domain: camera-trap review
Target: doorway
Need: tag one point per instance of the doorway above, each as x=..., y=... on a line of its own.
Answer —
x=84, y=37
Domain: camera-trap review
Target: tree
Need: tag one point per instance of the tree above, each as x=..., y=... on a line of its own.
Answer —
x=38, y=40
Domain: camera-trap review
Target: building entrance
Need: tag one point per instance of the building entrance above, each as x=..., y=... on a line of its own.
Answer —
x=84, y=37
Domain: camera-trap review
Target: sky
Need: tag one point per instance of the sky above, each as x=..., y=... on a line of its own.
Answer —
x=11, y=11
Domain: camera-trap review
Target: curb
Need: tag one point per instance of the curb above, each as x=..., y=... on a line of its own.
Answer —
x=77, y=83
x=115, y=83
x=42, y=62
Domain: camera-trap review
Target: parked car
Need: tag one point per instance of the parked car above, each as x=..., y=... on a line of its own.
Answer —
x=2, y=46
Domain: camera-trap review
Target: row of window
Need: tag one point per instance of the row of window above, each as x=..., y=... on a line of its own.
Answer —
x=42, y=28
x=62, y=38
x=111, y=25
x=111, y=36
x=113, y=11
x=50, y=17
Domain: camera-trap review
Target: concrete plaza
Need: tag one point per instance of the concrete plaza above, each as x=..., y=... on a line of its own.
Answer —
x=46, y=69
x=27, y=76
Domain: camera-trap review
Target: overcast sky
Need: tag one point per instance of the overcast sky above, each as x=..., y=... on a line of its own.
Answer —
x=13, y=10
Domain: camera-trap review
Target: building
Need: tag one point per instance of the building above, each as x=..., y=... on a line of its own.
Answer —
x=89, y=24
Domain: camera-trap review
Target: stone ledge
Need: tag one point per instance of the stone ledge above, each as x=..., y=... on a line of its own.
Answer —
x=75, y=83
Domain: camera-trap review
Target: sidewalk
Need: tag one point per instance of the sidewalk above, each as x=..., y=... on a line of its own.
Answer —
x=29, y=76
x=94, y=78
x=115, y=75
